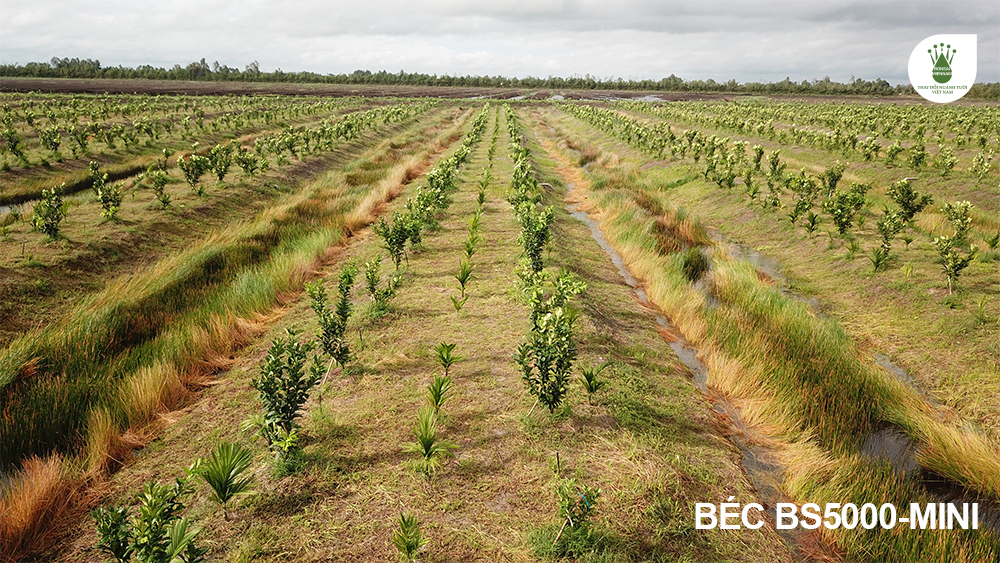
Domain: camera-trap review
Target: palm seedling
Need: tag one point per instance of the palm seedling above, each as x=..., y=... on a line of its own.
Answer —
x=222, y=471
x=813, y=222
x=992, y=241
x=591, y=381
x=470, y=244
x=408, y=539
x=445, y=356
x=428, y=445
x=464, y=274
x=475, y=221
x=458, y=303
x=439, y=391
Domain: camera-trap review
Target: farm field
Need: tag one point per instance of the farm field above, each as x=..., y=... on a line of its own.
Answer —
x=846, y=341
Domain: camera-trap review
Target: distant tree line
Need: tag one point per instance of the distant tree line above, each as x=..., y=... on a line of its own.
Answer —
x=200, y=70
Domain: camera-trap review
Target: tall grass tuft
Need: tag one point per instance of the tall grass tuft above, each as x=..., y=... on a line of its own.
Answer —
x=34, y=507
x=801, y=378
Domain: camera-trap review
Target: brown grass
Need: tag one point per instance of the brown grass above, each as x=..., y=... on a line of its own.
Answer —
x=154, y=391
x=34, y=509
x=652, y=463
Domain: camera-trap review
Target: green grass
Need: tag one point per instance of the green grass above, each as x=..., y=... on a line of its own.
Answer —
x=648, y=440
x=189, y=312
x=797, y=376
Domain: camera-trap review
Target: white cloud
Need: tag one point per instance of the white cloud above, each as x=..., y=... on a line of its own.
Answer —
x=632, y=39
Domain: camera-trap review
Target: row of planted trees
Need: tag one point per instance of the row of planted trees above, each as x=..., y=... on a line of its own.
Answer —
x=49, y=124
x=851, y=128
x=731, y=166
x=298, y=142
x=158, y=533
x=545, y=359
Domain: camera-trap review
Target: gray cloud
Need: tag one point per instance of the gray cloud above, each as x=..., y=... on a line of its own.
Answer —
x=632, y=39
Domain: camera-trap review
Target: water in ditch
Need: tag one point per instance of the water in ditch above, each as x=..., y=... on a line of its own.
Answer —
x=763, y=472
x=889, y=444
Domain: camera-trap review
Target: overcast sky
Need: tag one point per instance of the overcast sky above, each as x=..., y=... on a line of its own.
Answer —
x=694, y=39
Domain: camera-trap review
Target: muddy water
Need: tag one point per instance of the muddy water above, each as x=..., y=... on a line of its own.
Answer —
x=890, y=445
x=764, y=473
x=767, y=266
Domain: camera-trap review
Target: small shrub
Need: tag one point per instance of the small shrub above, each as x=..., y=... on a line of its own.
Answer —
x=49, y=211
x=891, y=152
x=283, y=386
x=959, y=213
x=844, y=206
x=50, y=138
x=220, y=158
x=945, y=160
x=157, y=179
x=194, y=167
x=250, y=163
x=889, y=225
x=535, y=232
x=832, y=175
x=908, y=199
x=380, y=297
x=157, y=534
x=695, y=264
x=918, y=155
x=333, y=323
x=395, y=235
x=952, y=261
x=982, y=163
x=577, y=537
x=546, y=359
x=110, y=196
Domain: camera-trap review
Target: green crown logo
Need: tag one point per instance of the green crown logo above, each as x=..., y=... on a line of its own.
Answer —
x=942, y=62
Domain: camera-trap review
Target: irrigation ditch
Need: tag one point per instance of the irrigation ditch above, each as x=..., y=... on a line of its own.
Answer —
x=195, y=309
x=882, y=446
x=758, y=462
